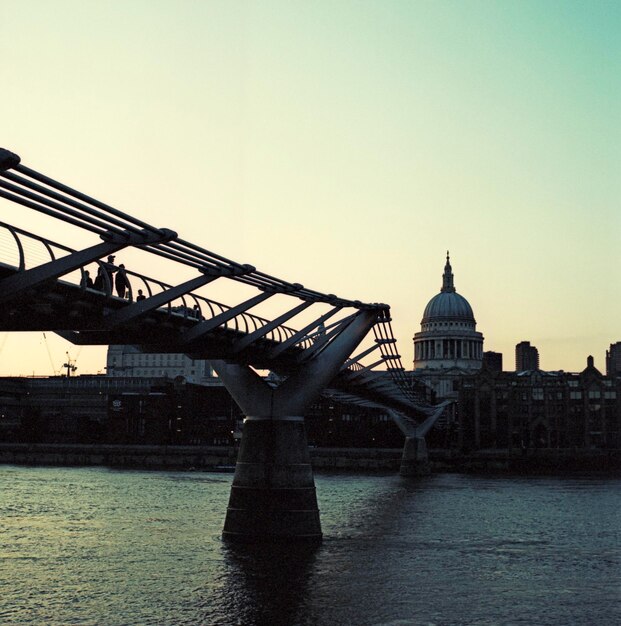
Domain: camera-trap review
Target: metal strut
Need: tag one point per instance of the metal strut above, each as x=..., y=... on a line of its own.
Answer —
x=294, y=394
x=203, y=328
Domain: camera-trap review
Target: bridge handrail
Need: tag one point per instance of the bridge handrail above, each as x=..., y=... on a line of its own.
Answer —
x=250, y=320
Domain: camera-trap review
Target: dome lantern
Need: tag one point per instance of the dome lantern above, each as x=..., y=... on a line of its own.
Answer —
x=447, y=277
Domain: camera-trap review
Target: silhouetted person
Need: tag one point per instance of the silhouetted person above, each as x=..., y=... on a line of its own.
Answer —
x=109, y=268
x=86, y=281
x=141, y=296
x=121, y=282
x=196, y=312
x=99, y=279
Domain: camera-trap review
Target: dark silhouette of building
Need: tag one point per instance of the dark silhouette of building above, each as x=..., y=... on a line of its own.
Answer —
x=526, y=357
x=162, y=411
x=173, y=413
x=330, y=423
x=493, y=361
x=104, y=409
x=613, y=359
x=536, y=409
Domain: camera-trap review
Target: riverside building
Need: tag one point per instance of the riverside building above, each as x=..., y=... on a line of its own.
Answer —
x=129, y=362
x=613, y=359
x=538, y=409
x=526, y=357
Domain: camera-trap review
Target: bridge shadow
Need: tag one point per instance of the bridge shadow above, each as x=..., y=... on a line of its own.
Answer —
x=265, y=584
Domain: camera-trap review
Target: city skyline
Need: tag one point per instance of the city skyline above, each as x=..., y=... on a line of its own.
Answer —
x=344, y=146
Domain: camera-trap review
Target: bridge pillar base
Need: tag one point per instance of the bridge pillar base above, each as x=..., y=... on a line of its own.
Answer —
x=273, y=493
x=415, y=460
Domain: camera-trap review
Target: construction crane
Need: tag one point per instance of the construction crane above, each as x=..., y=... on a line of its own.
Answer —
x=69, y=365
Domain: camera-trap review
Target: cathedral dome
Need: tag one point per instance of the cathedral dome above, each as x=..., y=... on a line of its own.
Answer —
x=448, y=304
x=448, y=337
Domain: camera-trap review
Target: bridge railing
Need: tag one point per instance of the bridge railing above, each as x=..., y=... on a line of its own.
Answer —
x=24, y=250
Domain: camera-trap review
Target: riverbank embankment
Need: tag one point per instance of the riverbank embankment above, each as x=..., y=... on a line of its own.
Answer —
x=222, y=458
x=183, y=457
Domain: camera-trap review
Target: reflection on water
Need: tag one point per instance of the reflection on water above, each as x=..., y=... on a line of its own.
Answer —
x=94, y=546
x=266, y=583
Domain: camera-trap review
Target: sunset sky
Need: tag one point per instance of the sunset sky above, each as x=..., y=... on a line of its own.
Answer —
x=343, y=145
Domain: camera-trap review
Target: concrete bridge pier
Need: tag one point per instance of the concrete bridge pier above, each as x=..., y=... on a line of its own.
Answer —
x=273, y=493
x=415, y=460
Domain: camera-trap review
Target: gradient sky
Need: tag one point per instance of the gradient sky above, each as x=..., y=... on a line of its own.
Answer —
x=344, y=145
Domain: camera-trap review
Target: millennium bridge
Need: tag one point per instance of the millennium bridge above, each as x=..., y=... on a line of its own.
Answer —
x=310, y=342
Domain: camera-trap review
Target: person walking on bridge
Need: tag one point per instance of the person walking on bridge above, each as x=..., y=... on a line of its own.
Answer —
x=99, y=280
x=108, y=269
x=121, y=282
x=87, y=281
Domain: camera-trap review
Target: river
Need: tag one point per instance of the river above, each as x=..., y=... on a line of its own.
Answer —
x=95, y=546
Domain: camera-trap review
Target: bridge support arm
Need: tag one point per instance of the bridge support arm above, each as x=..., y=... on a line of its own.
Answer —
x=273, y=492
x=300, y=389
x=415, y=459
x=249, y=390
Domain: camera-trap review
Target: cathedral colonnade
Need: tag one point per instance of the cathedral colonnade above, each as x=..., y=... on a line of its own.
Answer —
x=441, y=348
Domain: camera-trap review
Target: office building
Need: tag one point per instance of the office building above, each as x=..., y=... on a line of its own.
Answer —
x=129, y=362
x=526, y=357
x=493, y=360
x=613, y=359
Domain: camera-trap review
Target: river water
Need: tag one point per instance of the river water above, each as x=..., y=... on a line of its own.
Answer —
x=95, y=546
